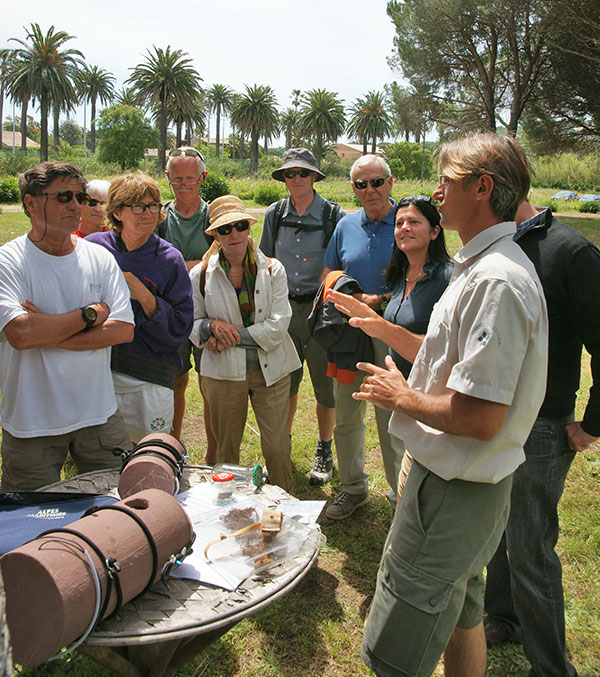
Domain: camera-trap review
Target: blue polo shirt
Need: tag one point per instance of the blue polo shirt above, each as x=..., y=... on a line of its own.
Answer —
x=362, y=248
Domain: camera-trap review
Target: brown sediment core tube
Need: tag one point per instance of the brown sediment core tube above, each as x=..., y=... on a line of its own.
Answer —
x=50, y=586
x=154, y=463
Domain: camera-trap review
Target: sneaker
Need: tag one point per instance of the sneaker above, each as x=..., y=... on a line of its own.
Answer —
x=345, y=504
x=322, y=469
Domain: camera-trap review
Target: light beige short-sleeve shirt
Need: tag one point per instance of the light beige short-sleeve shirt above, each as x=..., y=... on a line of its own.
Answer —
x=488, y=338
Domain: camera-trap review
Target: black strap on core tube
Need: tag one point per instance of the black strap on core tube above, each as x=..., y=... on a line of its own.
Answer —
x=141, y=449
x=110, y=564
x=136, y=518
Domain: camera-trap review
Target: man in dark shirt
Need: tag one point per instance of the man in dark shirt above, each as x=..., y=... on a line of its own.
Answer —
x=524, y=595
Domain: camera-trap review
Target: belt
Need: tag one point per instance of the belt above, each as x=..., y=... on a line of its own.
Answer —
x=303, y=298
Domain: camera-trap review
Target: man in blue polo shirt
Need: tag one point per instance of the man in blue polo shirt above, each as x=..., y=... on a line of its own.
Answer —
x=361, y=246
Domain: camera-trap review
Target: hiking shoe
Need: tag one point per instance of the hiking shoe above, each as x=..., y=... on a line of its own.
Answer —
x=345, y=504
x=322, y=469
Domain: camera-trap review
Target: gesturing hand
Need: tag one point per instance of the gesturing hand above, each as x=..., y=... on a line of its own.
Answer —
x=383, y=387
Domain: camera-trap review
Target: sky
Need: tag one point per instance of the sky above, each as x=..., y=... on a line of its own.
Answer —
x=338, y=45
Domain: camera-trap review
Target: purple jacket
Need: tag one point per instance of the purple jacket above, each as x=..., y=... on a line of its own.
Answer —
x=153, y=354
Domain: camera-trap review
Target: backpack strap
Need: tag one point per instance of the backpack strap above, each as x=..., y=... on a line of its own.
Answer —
x=279, y=209
x=162, y=228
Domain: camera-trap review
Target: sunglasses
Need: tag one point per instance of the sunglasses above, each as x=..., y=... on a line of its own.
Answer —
x=291, y=173
x=375, y=183
x=416, y=198
x=190, y=152
x=92, y=202
x=152, y=207
x=65, y=196
x=240, y=226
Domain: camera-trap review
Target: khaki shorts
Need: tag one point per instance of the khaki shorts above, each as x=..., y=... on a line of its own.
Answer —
x=29, y=463
x=431, y=575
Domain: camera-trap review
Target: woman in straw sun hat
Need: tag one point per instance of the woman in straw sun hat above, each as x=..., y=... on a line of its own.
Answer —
x=241, y=317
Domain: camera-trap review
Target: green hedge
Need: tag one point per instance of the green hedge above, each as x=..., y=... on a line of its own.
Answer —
x=9, y=189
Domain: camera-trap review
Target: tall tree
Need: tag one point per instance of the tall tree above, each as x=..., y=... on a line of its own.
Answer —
x=369, y=120
x=48, y=71
x=484, y=59
x=321, y=119
x=255, y=113
x=288, y=120
x=126, y=97
x=166, y=78
x=219, y=97
x=96, y=84
x=567, y=110
x=5, y=60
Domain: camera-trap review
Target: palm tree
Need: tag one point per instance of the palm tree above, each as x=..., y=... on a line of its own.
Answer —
x=49, y=72
x=255, y=113
x=96, y=83
x=358, y=125
x=288, y=120
x=18, y=87
x=165, y=79
x=219, y=97
x=5, y=61
x=321, y=118
x=369, y=120
x=126, y=97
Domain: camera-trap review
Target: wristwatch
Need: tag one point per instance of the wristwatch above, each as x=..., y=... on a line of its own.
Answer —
x=89, y=316
x=384, y=303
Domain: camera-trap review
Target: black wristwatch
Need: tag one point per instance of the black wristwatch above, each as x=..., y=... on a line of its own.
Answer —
x=383, y=303
x=89, y=316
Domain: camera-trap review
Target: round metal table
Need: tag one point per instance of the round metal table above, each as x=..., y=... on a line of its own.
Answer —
x=163, y=629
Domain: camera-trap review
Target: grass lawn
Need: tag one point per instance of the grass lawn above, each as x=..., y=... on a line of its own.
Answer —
x=317, y=628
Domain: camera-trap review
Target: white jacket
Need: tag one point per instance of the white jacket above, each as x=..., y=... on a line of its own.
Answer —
x=276, y=353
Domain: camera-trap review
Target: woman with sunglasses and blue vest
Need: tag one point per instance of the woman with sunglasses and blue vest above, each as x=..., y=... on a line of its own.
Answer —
x=161, y=297
x=241, y=317
x=418, y=273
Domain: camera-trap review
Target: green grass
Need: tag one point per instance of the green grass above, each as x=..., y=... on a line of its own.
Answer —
x=317, y=628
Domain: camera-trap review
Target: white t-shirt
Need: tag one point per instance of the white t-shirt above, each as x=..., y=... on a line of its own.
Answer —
x=48, y=391
x=488, y=338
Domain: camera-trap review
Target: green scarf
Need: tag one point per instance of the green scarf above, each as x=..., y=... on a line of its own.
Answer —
x=246, y=293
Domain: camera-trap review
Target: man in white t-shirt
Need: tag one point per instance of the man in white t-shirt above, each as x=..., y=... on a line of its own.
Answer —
x=63, y=303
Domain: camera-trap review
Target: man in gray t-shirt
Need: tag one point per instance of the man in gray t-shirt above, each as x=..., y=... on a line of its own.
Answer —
x=184, y=229
x=296, y=231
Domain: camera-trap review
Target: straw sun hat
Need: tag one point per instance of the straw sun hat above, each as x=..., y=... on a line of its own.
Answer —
x=227, y=209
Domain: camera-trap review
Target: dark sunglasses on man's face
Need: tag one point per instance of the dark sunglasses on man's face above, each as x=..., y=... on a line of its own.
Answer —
x=240, y=226
x=375, y=183
x=291, y=173
x=65, y=196
x=92, y=202
x=190, y=152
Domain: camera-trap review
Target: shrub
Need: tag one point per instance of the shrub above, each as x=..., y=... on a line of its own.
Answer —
x=243, y=188
x=9, y=189
x=589, y=207
x=214, y=186
x=405, y=160
x=267, y=193
x=16, y=163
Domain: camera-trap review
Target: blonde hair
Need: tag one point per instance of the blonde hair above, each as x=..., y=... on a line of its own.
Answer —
x=500, y=157
x=129, y=189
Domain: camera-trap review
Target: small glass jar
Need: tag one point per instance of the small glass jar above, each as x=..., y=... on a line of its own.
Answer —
x=253, y=474
x=223, y=487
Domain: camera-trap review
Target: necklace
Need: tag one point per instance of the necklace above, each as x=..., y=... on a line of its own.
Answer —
x=420, y=275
